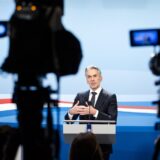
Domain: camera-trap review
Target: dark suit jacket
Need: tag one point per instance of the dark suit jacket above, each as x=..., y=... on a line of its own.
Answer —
x=106, y=105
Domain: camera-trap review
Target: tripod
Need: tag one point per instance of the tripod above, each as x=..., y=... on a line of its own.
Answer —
x=30, y=97
x=156, y=154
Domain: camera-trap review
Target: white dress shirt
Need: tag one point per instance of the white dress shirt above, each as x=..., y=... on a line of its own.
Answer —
x=98, y=90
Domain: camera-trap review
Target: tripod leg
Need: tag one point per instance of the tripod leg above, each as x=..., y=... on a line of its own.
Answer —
x=30, y=105
x=156, y=155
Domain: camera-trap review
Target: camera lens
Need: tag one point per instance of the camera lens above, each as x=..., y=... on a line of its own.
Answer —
x=154, y=64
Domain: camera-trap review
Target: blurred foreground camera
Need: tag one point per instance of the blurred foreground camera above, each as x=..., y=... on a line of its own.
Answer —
x=39, y=43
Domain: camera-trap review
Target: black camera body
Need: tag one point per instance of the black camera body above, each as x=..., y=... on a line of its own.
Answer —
x=35, y=47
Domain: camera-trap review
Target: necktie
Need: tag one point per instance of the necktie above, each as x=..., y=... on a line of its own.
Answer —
x=93, y=98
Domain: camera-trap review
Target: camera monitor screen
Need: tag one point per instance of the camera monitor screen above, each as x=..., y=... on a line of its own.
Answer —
x=3, y=29
x=147, y=37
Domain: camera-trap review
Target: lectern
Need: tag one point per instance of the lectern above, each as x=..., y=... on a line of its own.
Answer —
x=104, y=131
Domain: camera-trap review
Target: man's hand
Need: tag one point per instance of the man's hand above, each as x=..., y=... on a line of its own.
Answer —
x=82, y=110
x=74, y=109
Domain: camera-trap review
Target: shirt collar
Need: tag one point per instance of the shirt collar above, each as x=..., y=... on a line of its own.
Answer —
x=98, y=90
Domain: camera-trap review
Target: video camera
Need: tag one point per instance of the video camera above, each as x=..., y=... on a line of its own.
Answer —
x=148, y=37
x=36, y=45
x=29, y=9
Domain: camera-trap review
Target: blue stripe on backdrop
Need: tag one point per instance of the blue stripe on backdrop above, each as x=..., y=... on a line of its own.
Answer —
x=147, y=103
x=7, y=113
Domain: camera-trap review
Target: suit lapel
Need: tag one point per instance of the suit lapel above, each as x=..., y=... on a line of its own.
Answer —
x=100, y=99
x=86, y=96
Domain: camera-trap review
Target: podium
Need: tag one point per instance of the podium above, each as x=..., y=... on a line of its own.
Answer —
x=105, y=131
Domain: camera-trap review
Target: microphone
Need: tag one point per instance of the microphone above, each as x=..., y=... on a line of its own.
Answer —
x=89, y=104
x=89, y=127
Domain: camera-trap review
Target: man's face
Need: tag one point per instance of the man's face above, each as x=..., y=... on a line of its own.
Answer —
x=93, y=78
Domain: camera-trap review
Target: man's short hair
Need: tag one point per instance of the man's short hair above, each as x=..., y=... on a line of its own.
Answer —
x=93, y=67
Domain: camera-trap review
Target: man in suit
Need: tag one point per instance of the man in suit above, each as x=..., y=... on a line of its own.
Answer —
x=94, y=104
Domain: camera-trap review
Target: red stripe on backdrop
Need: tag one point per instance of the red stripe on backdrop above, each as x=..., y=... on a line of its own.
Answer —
x=6, y=100
x=9, y=100
x=137, y=107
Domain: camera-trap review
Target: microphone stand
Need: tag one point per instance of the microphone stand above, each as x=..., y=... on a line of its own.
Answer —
x=89, y=127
